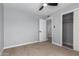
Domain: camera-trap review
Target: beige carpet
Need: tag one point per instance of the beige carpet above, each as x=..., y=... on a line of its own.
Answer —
x=39, y=49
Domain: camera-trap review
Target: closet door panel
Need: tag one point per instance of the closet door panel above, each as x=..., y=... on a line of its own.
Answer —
x=68, y=37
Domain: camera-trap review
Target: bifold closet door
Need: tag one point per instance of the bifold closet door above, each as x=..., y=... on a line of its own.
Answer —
x=68, y=30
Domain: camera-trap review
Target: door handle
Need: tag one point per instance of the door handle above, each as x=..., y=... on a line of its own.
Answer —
x=40, y=31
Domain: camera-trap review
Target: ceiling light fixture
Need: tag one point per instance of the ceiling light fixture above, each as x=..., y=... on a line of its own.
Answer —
x=45, y=4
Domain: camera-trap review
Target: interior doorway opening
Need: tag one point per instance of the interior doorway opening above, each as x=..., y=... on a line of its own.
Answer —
x=67, y=30
x=49, y=30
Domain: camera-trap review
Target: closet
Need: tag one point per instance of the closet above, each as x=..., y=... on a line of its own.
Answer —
x=68, y=30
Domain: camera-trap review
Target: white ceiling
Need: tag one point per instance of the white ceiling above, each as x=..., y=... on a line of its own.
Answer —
x=34, y=8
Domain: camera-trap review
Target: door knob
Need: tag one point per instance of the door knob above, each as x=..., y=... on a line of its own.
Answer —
x=40, y=31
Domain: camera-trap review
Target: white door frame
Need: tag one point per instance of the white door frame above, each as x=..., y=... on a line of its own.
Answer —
x=61, y=43
x=51, y=18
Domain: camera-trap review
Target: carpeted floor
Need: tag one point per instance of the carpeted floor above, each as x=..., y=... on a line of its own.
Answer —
x=39, y=49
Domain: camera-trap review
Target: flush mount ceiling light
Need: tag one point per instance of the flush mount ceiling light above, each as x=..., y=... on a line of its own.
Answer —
x=47, y=4
x=44, y=4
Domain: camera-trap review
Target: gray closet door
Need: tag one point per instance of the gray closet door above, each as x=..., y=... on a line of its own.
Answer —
x=68, y=29
x=68, y=37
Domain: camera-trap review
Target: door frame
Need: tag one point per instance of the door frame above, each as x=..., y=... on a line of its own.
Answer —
x=51, y=18
x=51, y=28
x=61, y=17
x=63, y=28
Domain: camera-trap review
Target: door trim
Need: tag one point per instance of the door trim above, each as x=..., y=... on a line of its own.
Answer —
x=51, y=18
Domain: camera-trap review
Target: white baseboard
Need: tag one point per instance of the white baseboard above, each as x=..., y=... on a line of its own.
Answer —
x=56, y=44
x=21, y=44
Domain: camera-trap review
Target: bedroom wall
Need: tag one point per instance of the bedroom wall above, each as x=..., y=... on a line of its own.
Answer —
x=19, y=27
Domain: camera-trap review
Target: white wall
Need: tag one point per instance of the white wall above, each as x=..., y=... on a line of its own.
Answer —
x=1, y=28
x=76, y=30
x=57, y=21
x=19, y=27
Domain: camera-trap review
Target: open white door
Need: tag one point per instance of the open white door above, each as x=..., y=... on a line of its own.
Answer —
x=42, y=30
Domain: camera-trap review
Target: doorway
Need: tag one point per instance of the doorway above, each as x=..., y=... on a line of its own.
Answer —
x=45, y=30
x=68, y=30
x=49, y=30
